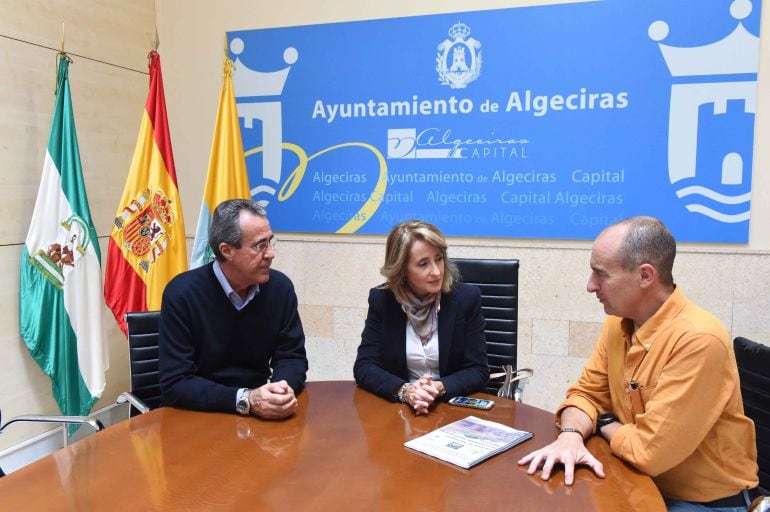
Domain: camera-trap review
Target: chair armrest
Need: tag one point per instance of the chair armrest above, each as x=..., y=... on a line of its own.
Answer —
x=760, y=504
x=514, y=384
x=130, y=398
x=67, y=420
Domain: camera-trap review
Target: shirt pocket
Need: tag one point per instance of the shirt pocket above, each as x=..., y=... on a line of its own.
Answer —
x=640, y=395
x=647, y=392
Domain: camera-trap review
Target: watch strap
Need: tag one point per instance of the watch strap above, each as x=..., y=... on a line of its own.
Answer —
x=603, y=420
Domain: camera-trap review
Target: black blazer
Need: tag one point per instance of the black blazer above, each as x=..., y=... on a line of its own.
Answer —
x=380, y=365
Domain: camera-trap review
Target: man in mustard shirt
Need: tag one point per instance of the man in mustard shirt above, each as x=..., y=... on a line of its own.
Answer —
x=662, y=384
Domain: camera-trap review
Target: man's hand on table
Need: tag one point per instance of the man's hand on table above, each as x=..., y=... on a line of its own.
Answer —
x=568, y=449
x=274, y=400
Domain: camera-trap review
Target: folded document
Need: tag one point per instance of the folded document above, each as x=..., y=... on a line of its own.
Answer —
x=469, y=441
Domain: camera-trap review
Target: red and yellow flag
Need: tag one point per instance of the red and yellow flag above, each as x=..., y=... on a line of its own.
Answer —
x=147, y=246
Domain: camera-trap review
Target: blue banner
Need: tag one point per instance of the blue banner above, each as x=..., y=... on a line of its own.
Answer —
x=541, y=122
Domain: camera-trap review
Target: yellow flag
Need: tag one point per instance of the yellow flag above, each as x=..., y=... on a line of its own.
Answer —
x=227, y=177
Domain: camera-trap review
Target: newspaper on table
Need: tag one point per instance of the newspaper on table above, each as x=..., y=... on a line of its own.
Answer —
x=469, y=441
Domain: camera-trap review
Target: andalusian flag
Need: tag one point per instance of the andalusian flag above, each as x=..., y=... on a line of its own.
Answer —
x=227, y=178
x=60, y=309
x=147, y=245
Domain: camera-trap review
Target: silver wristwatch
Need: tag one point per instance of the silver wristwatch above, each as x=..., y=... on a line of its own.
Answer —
x=243, y=405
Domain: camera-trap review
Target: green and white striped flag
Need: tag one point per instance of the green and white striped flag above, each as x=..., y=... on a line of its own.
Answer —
x=60, y=294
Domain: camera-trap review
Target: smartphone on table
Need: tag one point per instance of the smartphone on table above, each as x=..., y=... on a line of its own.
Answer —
x=476, y=403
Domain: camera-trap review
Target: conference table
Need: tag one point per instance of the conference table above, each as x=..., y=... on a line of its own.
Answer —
x=342, y=450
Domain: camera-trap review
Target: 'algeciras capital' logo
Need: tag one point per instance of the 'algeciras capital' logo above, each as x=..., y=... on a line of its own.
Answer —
x=458, y=62
x=717, y=185
x=441, y=143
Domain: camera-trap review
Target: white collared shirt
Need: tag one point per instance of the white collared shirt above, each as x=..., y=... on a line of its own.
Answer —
x=232, y=295
x=421, y=359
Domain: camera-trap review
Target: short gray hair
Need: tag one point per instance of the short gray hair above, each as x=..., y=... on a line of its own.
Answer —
x=226, y=226
x=648, y=240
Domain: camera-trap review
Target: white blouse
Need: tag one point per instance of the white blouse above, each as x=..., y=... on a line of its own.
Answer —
x=421, y=359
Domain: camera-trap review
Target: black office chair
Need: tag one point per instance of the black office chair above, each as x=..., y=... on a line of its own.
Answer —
x=142, y=330
x=63, y=420
x=498, y=281
x=754, y=370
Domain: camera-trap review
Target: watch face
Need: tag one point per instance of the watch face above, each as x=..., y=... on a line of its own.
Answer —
x=605, y=419
x=243, y=405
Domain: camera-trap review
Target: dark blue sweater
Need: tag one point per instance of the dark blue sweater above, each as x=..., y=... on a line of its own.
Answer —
x=208, y=349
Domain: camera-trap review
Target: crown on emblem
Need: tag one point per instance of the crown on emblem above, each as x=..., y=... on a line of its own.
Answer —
x=736, y=53
x=459, y=31
x=249, y=82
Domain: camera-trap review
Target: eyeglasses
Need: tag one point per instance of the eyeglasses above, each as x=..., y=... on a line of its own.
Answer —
x=262, y=246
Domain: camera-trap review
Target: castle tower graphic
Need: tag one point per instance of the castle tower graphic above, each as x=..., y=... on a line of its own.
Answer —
x=255, y=94
x=706, y=79
x=458, y=61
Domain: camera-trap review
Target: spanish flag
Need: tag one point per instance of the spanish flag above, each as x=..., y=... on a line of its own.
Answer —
x=227, y=177
x=147, y=245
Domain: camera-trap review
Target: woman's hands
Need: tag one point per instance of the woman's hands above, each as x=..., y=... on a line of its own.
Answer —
x=423, y=394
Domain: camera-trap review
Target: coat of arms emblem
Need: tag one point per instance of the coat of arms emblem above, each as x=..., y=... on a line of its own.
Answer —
x=54, y=261
x=458, y=62
x=144, y=223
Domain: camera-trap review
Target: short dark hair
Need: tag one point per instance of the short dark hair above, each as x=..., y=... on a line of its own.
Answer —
x=226, y=226
x=648, y=240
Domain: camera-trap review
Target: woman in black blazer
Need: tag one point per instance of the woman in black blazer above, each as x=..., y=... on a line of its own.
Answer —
x=424, y=335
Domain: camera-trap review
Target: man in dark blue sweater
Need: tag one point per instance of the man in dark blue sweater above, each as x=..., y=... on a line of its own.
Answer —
x=230, y=335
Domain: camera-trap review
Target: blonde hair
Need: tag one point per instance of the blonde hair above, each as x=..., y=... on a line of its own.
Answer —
x=397, y=249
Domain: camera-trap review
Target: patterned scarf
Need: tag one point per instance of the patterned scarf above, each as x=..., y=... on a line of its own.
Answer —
x=422, y=314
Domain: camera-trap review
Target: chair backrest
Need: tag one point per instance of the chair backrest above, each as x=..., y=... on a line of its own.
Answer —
x=754, y=370
x=498, y=281
x=143, y=356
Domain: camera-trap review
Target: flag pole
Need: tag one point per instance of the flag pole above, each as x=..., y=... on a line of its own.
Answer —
x=156, y=41
x=56, y=62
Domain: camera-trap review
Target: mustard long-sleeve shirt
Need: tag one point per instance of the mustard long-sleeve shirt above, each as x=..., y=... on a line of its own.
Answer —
x=692, y=436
